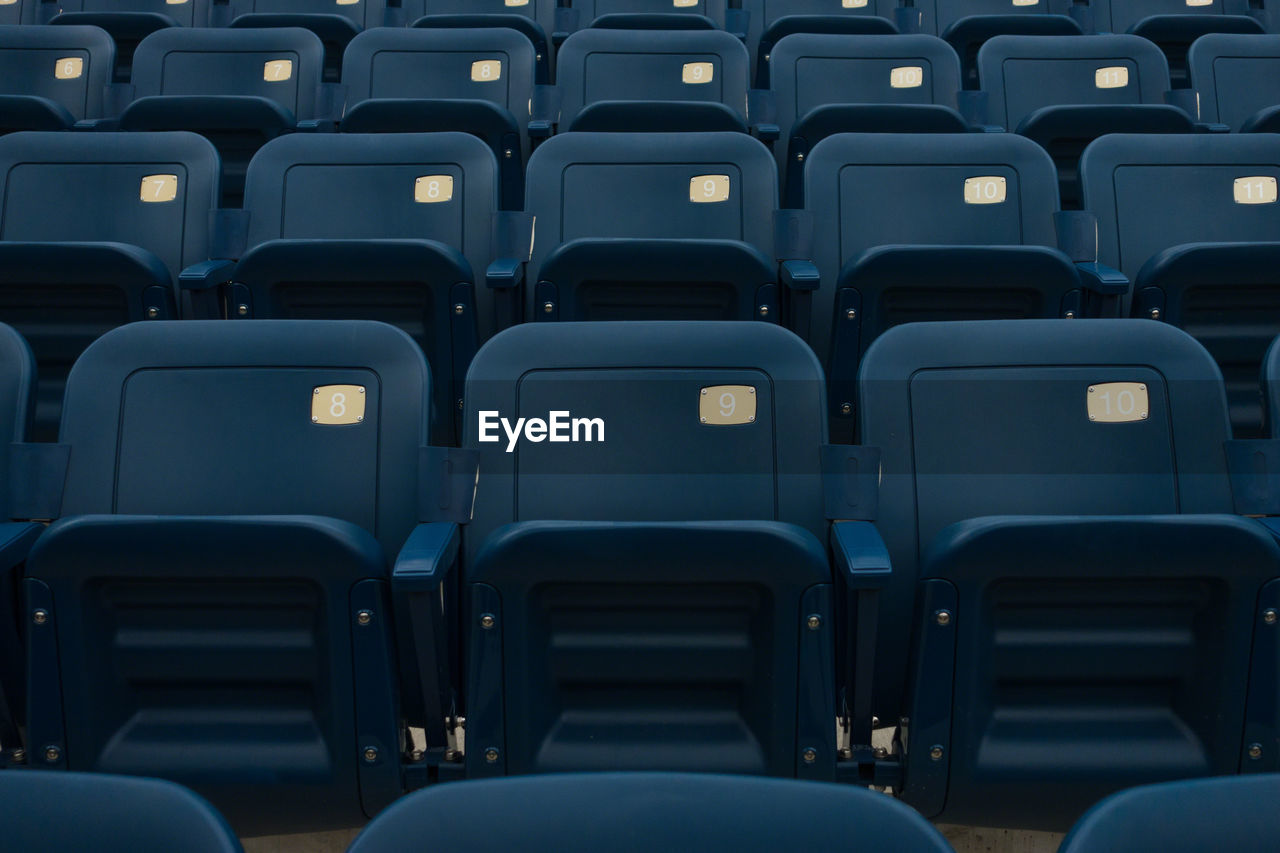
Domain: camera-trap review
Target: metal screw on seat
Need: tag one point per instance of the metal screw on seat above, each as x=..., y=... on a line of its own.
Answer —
x=487, y=621
x=491, y=755
x=40, y=617
x=370, y=754
x=814, y=621
x=936, y=752
x=810, y=755
x=943, y=617
x=364, y=617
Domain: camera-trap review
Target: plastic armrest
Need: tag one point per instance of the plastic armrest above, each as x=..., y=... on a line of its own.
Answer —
x=504, y=274
x=1102, y=279
x=206, y=275
x=861, y=556
x=427, y=558
x=97, y=124
x=799, y=275
x=986, y=128
x=317, y=125
x=16, y=539
x=541, y=128
x=766, y=131
x=1210, y=127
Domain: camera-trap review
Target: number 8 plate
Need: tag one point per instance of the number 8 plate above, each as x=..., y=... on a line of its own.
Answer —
x=334, y=405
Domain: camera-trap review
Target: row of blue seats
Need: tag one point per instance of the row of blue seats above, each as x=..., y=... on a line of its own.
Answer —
x=101, y=229
x=243, y=88
x=1047, y=567
x=628, y=813
x=759, y=23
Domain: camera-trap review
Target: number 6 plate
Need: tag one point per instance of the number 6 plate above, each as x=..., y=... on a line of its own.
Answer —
x=726, y=405
x=1117, y=402
x=334, y=405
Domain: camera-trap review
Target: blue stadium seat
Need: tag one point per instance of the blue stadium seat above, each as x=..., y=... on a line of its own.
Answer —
x=1193, y=221
x=1237, y=78
x=477, y=80
x=215, y=609
x=643, y=812
x=73, y=812
x=239, y=89
x=390, y=227
x=657, y=594
x=648, y=14
x=16, y=12
x=826, y=84
x=652, y=226
x=770, y=21
x=1064, y=92
x=50, y=78
x=533, y=18
x=1174, y=24
x=911, y=227
x=128, y=21
x=335, y=25
x=654, y=81
x=17, y=405
x=95, y=229
x=1183, y=817
x=1057, y=509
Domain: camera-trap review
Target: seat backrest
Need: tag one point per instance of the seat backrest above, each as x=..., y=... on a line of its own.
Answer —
x=937, y=15
x=17, y=397
x=487, y=64
x=364, y=14
x=17, y=12
x=589, y=10
x=763, y=14
x=1234, y=75
x=651, y=65
x=1236, y=814
x=1032, y=417
x=187, y=13
x=809, y=71
x=158, y=415
x=1152, y=192
x=542, y=11
x=1022, y=74
x=66, y=812
x=697, y=421
x=152, y=190
x=283, y=65
x=69, y=65
x=376, y=187
x=868, y=190
x=616, y=811
x=1119, y=16
x=720, y=186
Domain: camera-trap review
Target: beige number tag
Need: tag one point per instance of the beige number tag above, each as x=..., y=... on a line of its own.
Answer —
x=1026, y=2
x=8, y=2
x=698, y=72
x=512, y=4
x=156, y=188
x=334, y=405
x=1117, y=402
x=1199, y=2
x=853, y=4
x=989, y=189
x=1256, y=190
x=277, y=70
x=433, y=189
x=726, y=405
x=486, y=71
x=708, y=189
x=1112, y=77
x=175, y=2
x=68, y=68
x=348, y=2
x=684, y=4
x=907, y=77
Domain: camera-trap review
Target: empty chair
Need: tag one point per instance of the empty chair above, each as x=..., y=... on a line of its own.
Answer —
x=535, y=19
x=52, y=77
x=1179, y=216
x=1174, y=24
x=912, y=227
x=239, y=89
x=128, y=21
x=214, y=605
x=478, y=80
x=17, y=404
x=335, y=24
x=1055, y=502
x=618, y=812
x=1063, y=92
x=391, y=227
x=674, y=487
x=1237, y=79
x=825, y=84
x=1183, y=817
x=648, y=14
x=95, y=229
x=651, y=226
x=69, y=812
x=769, y=21
x=647, y=80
